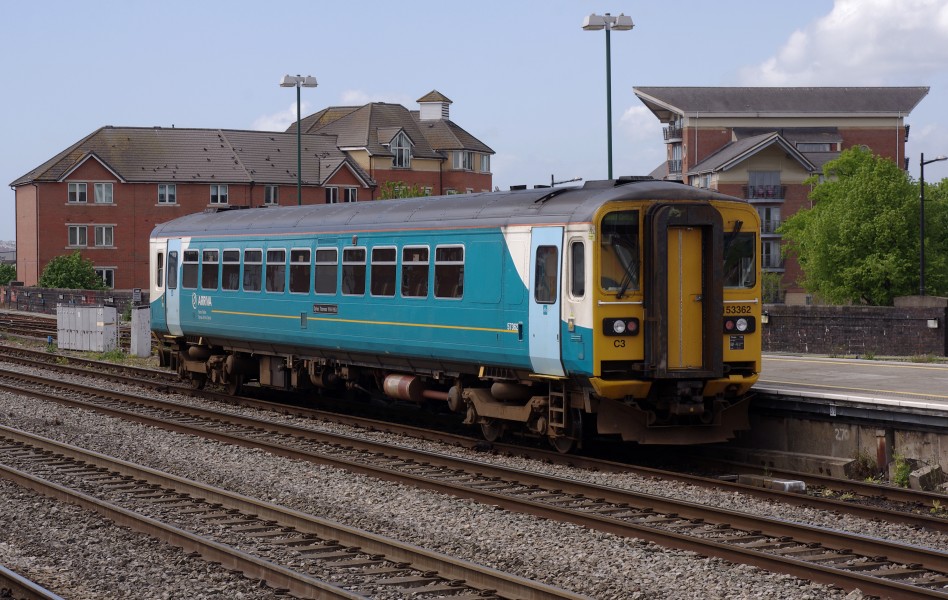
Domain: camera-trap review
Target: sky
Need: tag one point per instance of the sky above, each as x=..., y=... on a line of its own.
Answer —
x=523, y=75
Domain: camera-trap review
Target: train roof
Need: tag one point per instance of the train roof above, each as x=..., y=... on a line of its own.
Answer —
x=486, y=209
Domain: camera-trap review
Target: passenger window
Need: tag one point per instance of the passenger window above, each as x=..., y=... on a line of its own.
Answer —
x=189, y=270
x=230, y=272
x=619, y=251
x=577, y=270
x=173, y=270
x=253, y=270
x=383, y=271
x=415, y=272
x=160, y=273
x=545, y=273
x=449, y=272
x=299, y=271
x=353, y=271
x=210, y=267
x=327, y=266
x=276, y=270
x=740, y=270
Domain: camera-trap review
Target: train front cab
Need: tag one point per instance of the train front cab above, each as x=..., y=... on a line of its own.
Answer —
x=677, y=308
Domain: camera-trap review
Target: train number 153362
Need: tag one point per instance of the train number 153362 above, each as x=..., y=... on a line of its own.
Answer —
x=733, y=309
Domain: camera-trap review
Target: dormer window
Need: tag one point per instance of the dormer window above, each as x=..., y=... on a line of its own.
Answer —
x=401, y=151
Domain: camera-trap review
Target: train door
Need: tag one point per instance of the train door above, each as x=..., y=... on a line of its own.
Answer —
x=172, y=288
x=685, y=297
x=546, y=249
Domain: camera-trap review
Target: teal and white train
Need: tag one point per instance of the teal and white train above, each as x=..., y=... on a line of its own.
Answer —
x=625, y=307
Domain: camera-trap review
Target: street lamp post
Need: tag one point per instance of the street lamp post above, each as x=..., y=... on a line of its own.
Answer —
x=609, y=23
x=298, y=81
x=921, y=221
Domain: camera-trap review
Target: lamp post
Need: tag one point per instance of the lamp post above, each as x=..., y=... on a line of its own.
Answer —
x=298, y=81
x=621, y=23
x=921, y=221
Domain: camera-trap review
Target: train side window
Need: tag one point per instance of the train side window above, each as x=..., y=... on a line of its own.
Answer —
x=577, y=269
x=173, y=270
x=253, y=270
x=210, y=268
x=300, y=270
x=230, y=271
x=353, y=271
x=546, y=268
x=449, y=272
x=619, y=251
x=383, y=271
x=327, y=267
x=276, y=270
x=740, y=268
x=189, y=270
x=415, y=267
x=160, y=270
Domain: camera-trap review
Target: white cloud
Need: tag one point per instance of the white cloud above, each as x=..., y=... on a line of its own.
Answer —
x=862, y=42
x=281, y=120
x=639, y=125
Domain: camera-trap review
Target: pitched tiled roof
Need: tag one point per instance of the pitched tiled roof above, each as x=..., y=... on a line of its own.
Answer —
x=444, y=134
x=156, y=154
x=736, y=152
x=666, y=102
x=359, y=128
x=434, y=96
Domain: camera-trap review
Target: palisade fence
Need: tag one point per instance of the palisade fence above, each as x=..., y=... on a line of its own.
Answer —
x=44, y=300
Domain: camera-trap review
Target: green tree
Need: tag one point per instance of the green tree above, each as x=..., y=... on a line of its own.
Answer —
x=859, y=241
x=71, y=272
x=7, y=274
x=399, y=189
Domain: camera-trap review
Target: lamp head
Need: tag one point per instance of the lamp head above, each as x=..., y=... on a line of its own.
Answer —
x=622, y=23
x=594, y=23
x=289, y=81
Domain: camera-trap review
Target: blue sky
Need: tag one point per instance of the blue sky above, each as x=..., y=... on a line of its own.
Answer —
x=523, y=75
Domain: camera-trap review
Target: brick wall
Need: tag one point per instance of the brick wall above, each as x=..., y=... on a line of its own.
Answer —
x=44, y=300
x=856, y=330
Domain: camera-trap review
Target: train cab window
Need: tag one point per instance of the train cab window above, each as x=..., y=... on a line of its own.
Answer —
x=546, y=268
x=276, y=270
x=619, y=251
x=253, y=270
x=230, y=272
x=353, y=271
x=173, y=270
x=740, y=269
x=160, y=270
x=189, y=270
x=415, y=272
x=327, y=267
x=299, y=270
x=449, y=272
x=577, y=269
x=210, y=268
x=383, y=271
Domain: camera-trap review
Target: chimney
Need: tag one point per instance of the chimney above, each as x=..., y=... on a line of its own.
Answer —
x=434, y=106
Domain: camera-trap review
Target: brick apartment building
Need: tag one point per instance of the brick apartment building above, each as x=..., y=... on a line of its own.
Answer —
x=762, y=143
x=105, y=193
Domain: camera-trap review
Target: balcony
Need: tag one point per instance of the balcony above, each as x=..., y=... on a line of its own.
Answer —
x=674, y=166
x=769, y=261
x=769, y=226
x=672, y=134
x=764, y=192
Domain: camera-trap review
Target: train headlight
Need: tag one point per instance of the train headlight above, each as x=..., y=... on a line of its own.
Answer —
x=740, y=325
x=618, y=327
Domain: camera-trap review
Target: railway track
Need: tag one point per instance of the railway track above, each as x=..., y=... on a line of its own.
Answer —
x=14, y=586
x=874, y=566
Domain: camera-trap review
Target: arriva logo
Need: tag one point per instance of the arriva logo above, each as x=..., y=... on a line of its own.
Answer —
x=197, y=301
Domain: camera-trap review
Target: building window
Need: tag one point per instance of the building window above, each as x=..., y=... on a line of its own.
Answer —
x=107, y=274
x=463, y=160
x=383, y=271
x=166, y=193
x=813, y=147
x=415, y=271
x=449, y=272
x=763, y=184
x=332, y=195
x=103, y=193
x=769, y=219
x=350, y=194
x=189, y=270
x=276, y=270
x=253, y=270
x=401, y=150
x=427, y=191
x=77, y=193
x=327, y=265
x=104, y=235
x=353, y=271
x=77, y=235
x=299, y=270
x=271, y=195
x=770, y=255
x=485, y=163
x=450, y=191
x=218, y=194
x=230, y=273
x=210, y=267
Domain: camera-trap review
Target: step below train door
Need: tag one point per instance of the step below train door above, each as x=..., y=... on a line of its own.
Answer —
x=684, y=298
x=546, y=250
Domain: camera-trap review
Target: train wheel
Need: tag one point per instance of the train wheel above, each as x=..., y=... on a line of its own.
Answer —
x=235, y=386
x=197, y=381
x=492, y=430
x=562, y=445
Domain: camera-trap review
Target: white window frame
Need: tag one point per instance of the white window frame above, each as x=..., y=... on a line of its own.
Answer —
x=271, y=195
x=463, y=160
x=350, y=194
x=77, y=193
x=103, y=193
x=218, y=193
x=167, y=194
x=107, y=274
x=485, y=163
x=332, y=195
x=401, y=151
x=78, y=236
x=105, y=236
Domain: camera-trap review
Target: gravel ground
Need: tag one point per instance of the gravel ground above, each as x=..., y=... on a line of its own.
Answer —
x=76, y=555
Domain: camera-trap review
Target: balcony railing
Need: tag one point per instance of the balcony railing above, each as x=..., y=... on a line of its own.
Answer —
x=674, y=166
x=672, y=133
x=771, y=262
x=769, y=226
x=764, y=192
